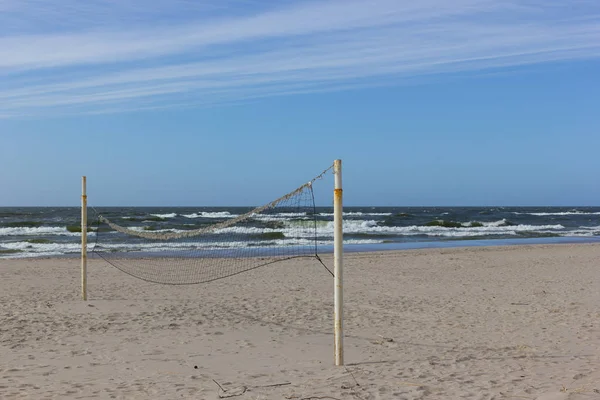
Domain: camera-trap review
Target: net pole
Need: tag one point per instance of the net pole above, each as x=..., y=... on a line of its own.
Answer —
x=338, y=250
x=83, y=239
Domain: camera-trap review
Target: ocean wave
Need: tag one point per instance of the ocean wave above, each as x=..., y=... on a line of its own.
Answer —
x=227, y=214
x=358, y=214
x=585, y=231
x=280, y=217
x=594, y=228
x=581, y=233
x=165, y=216
x=284, y=215
x=208, y=214
x=547, y=214
x=501, y=222
x=26, y=249
x=371, y=226
x=446, y=232
x=285, y=220
x=471, y=224
x=144, y=229
x=31, y=255
x=43, y=230
x=46, y=247
x=305, y=229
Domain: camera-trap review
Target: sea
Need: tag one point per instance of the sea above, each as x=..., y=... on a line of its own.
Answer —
x=53, y=231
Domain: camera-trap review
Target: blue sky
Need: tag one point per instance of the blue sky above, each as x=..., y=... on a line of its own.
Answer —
x=464, y=102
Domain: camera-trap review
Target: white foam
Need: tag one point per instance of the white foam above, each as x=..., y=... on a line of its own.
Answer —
x=250, y=230
x=586, y=231
x=546, y=214
x=285, y=215
x=165, y=216
x=142, y=229
x=583, y=233
x=38, y=231
x=215, y=214
x=358, y=214
x=501, y=222
x=41, y=249
x=294, y=236
x=371, y=227
x=194, y=215
x=278, y=218
x=45, y=247
x=155, y=247
x=360, y=241
x=31, y=255
x=594, y=228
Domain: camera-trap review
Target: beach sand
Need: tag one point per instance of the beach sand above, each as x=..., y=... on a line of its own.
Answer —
x=518, y=322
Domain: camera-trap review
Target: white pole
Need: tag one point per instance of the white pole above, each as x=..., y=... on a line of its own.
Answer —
x=83, y=239
x=338, y=249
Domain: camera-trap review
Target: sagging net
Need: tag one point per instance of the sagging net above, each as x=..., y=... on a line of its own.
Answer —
x=204, y=246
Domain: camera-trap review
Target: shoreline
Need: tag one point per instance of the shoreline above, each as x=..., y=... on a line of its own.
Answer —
x=348, y=248
x=456, y=244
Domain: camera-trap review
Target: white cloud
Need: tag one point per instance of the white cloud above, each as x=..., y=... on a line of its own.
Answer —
x=129, y=59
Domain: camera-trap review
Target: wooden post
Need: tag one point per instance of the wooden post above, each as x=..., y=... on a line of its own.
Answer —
x=83, y=239
x=338, y=249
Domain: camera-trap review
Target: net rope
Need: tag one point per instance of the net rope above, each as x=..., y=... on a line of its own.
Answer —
x=171, y=250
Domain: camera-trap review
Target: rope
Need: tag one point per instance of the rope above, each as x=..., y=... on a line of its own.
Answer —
x=323, y=264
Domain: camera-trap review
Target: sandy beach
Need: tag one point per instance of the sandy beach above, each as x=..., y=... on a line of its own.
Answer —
x=520, y=322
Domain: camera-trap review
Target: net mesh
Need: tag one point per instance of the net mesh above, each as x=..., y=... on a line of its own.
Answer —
x=205, y=246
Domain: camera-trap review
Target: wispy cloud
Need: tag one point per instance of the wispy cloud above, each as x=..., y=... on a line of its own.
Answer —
x=107, y=55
